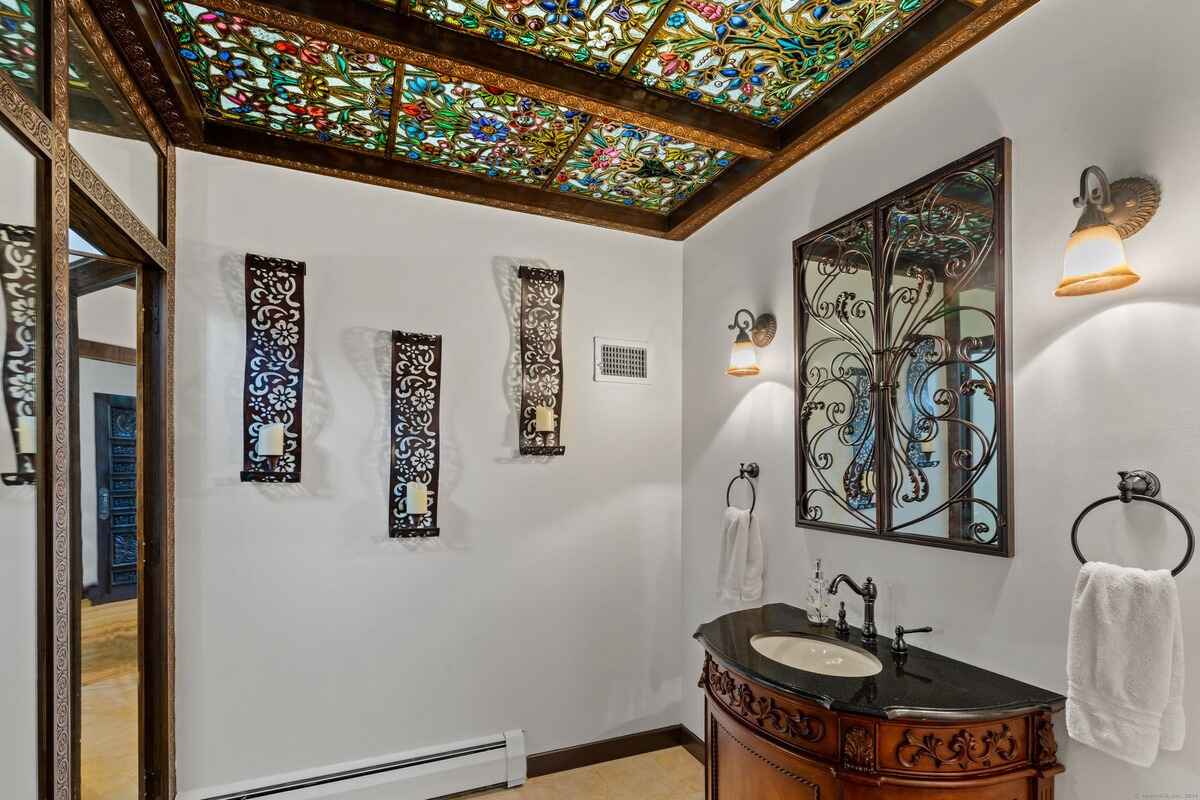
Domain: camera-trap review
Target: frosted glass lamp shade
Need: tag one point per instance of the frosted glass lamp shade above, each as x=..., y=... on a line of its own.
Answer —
x=1095, y=262
x=743, y=360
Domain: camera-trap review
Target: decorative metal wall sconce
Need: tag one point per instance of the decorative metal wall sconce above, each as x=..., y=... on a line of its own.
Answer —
x=274, y=384
x=540, y=422
x=18, y=378
x=415, y=434
x=752, y=332
x=1095, y=259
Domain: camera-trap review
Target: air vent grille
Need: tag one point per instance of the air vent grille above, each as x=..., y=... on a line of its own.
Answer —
x=622, y=361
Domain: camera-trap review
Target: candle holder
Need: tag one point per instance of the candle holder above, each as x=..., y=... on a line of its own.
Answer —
x=274, y=383
x=540, y=419
x=416, y=400
x=18, y=283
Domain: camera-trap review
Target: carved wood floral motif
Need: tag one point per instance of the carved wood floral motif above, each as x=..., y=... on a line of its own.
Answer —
x=858, y=749
x=964, y=749
x=764, y=711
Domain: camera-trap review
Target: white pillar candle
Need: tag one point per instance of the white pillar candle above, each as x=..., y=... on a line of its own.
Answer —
x=26, y=435
x=416, y=498
x=545, y=419
x=270, y=439
x=927, y=447
x=869, y=481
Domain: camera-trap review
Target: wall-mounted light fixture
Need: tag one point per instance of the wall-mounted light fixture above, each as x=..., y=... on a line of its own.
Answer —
x=1095, y=258
x=752, y=332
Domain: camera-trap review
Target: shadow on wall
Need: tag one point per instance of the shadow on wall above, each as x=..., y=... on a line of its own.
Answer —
x=317, y=400
x=369, y=351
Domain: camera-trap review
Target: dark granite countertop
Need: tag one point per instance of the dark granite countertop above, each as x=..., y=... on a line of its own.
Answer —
x=923, y=685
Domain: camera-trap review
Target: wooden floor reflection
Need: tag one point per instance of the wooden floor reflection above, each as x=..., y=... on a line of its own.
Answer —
x=109, y=731
x=664, y=775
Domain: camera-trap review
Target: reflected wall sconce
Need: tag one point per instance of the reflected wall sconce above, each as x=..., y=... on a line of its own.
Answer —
x=752, y=333
x=1095, y=259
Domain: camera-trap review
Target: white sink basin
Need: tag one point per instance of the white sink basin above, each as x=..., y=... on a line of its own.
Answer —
x=817, y=655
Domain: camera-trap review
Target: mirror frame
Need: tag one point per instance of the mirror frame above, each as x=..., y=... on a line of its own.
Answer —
x=67, y=179
x=883, y=528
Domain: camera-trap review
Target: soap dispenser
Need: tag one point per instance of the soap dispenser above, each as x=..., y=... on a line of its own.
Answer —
x=816, y=597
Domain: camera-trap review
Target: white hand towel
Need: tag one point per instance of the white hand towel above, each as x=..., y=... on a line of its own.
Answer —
x=1125, y=663
x=740, y=572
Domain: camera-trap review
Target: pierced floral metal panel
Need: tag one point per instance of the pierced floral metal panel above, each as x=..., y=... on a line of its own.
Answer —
x=274, y=388
x=600, y=35
x=416, y=431
x=19, y=42
x=903, y=406
x=254, y=74
x=767, y=59
x=472, y=128
x=541, y=360
x=18, y=282
x=622, y=163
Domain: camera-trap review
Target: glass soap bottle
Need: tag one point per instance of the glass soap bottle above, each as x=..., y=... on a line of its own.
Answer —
x=816, y=597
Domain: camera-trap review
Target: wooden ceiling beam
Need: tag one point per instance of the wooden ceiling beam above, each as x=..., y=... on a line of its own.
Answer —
x=237, y=141
x=416, y=41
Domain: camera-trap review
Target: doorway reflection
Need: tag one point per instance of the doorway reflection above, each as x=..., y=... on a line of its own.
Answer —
x=105, y=302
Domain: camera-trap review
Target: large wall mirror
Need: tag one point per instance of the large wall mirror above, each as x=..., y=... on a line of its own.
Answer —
x=21, y=270
x=903, y=396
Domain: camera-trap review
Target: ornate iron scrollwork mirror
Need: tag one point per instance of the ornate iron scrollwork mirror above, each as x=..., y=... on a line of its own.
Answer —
x=903, y=397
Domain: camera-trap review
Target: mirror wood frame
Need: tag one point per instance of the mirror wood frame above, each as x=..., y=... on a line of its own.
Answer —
x=884, y=529
x=68, y=184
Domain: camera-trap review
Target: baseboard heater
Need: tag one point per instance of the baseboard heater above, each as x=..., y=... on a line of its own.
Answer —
x=422, y=774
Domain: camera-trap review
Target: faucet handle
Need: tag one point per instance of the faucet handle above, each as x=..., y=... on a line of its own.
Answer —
x=842, y=629
x=899, y=646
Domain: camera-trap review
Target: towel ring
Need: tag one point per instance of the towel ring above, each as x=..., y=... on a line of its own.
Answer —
x=1144, y=487
x=745, y=473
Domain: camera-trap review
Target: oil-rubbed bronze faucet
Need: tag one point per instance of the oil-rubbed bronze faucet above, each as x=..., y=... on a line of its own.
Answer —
x=868, y=593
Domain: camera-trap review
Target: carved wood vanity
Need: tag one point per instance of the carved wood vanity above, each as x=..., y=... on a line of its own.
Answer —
x=925, y=728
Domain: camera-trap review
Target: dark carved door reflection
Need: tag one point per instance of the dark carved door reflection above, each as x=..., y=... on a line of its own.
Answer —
x=116, y=498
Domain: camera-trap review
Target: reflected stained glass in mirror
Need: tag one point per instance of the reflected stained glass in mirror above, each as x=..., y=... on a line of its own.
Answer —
x=20, y=267
x=20, y=45
x=107, y=133
x=902, y=406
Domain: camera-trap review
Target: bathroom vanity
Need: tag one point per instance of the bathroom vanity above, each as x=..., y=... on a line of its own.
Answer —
x=924, y=727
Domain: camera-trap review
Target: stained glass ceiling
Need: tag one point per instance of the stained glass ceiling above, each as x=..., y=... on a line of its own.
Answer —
x=766, y=59
x=256, y=75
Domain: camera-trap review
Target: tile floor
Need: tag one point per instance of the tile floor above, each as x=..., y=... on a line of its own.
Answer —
x=662, y=775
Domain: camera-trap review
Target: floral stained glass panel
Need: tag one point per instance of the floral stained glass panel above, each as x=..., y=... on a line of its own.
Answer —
x=464, y=126
x=767, y=59
x=600, y=35
x=19, y=44
x=622, y=163
x=257, y=75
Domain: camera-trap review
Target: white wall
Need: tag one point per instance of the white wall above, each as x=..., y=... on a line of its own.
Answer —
x=129, y=166
x=552, y=600
x=1101, y=383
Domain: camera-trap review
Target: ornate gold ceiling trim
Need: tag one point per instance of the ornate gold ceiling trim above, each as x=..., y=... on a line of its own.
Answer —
x=320, y=29
x=970, y=31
